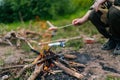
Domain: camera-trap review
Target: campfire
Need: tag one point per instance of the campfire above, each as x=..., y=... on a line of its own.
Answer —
x=47, y=60
x=45, y=63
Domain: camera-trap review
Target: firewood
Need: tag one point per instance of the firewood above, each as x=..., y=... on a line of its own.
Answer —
x=43, y=76
x=27, y=32
x=9, y=42
x=28, y=66
x=75, y=64
x=37, y=61
x=38, y=69
x=18, y=43
x=69, y=56
x=3, y=42
x=9, y=35
x=12, y=67
x=55, y=71
x=28, y=60
x=3, y=72
x=24, y=68
x=64, y=62
x=68, y=71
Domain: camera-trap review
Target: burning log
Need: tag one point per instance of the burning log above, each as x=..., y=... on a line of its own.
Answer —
x=68, y=71
x=37, y=61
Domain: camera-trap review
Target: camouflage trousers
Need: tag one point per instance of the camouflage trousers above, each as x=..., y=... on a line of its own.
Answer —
x=104, y=19
x=113, y=18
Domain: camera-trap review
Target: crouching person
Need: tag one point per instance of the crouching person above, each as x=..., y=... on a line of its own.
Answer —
x=112, y=21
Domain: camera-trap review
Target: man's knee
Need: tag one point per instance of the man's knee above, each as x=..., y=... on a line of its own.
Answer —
x=92, y=15
x=95, y=15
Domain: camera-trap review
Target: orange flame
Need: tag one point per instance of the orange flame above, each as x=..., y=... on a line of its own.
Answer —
x=46, y=37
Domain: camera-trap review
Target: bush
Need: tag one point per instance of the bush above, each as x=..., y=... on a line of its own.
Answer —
x=16, y=10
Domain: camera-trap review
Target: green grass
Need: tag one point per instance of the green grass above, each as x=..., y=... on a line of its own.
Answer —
x=13, y=26
x=1, y=62
x=112, y=78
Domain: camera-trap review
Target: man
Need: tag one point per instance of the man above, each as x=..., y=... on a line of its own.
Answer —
x=113, y=22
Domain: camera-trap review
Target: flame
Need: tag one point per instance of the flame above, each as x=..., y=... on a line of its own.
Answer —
x=46, y=68
x=42, y=28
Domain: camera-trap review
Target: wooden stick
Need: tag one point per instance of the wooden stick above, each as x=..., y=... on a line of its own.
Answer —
x=65, y=40
x=75, y=64
x=50, y=24
x=61, y=27
x=55, y=71
x=70, y=56
x=12, y=67
x=64, y=62
x=33, y=64
x=9, y=42
x=24, y=68
x=68, y=71
x=28, y=66
x=29, y=60
x=4, y=42
x=38, y=69
x=32, y=32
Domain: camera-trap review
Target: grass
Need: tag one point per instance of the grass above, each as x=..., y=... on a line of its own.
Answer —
x=1, y=62
x=112, y=78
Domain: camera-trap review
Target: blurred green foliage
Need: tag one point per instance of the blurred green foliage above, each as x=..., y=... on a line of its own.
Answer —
x=14, y=10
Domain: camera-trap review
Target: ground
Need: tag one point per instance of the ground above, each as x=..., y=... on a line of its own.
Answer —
x=99, y=64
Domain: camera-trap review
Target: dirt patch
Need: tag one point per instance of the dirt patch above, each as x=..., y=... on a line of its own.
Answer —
x=98, y=63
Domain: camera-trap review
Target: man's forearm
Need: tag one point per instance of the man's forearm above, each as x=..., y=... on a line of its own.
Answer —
x=86, y=16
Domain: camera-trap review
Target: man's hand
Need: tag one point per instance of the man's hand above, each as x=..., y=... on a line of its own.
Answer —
x=52, y=28
x=98, y=3
x=77, y=22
